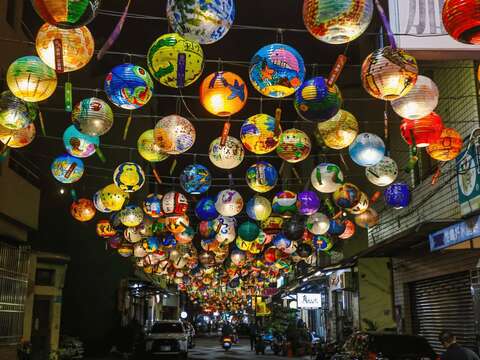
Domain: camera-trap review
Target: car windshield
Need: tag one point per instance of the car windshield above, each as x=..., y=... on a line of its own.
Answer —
x=163, y=328
x=401, y=345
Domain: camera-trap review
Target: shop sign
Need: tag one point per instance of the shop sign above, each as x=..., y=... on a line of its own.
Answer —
x=455, y=234
x=309, y=301
x=468, y=179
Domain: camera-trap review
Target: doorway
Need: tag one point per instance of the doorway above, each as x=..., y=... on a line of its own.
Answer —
x=41, y=328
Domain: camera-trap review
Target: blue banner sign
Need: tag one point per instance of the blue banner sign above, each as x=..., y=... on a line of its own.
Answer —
x=455, y=234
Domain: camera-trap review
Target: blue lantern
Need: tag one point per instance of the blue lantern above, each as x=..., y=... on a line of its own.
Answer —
x=398, y=195
x=205, y=209
x=67, y=169
x=195, y=179
x=367, y=149
x=169, y=240
x=281, y=241
x=79, y=144
x=337, y=227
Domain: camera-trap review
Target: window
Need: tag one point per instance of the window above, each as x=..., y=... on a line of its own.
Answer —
x=45, y=277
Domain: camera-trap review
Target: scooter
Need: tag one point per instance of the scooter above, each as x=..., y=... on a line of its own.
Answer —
x=227, y=343
x=277, y=344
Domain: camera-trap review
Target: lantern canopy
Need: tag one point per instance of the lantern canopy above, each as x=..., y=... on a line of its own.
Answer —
x=92, y=116
x=462, y=21
x=447, y=147
x=340, y=131
x=228, y=156
x=294, y=146
x=174, y=134
x=260, y=133
x=425, y=131
x=383, y=173
x=67, y=14
x=223, y=93
x=367, y=149
x=261, y=176
x=398, y=195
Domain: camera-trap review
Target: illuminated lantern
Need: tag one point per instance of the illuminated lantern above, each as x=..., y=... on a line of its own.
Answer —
x=346, y=196
x=316, y=101
x=397, y=195
x=260, y=134
x=92, y=116
x=125, y=250
x=425, y=131
x=207, y=260
x=258, y=208
x=129, y=177
x=272, y=225
x=174, y=203
x=206, y=229
x=169, y=240
x=226, y=157
x=277, y=70
x=340, y=131
x=447, y=147
x=225, y=229
x=83, y=210
x=131, y=215
x=237, y=257
x=322, y=243
x=113, y=198
x=115, y=241
x=17, y=138
x=361, y=206
x=461, y=20
x=78, y=144
x=175, y=61
x=205, y=208
x=420, y=101
x=284, y=203
x=132, y=235
x=29, y=79
x=337, y=227
x=177, y=223
x=261, y=177
x=76, y=47
x=271, y=255
x=388, y=74
x=308, y=202
x=209, y=244
x=129, y=86
x=384, y=173
x=174, y=134
x=152, y=205
x=327, y=178
x=105, y=229
x=293, y=228
x=367, y=219
x=67, y=169
x=97, y=201
x=195, y=179
x=66, y=14
x=248, y=231
x=294, y=146
x=349, y=230
x=281, y=241
x=186, y=236
x=223, y=93
x=367, y=149
x=148, y=148
x=229, y=202
x=318, y=223
x=16, y=114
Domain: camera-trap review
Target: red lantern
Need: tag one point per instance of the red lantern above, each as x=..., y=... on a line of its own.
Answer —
x=270, y=255
x=349, y=230
x=425, y=131
x=461, y=19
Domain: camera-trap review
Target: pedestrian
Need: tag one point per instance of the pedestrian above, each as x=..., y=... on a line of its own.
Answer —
x=453, y=350
x=252, y=330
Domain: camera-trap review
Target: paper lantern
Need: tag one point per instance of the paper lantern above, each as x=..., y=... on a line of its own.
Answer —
x=78, y=144
x=397, y=195
x=177, y=223
x=349, y=230
x=148, y=148
x=258, y=208
x=195, y=179
x=152, y=205
x=131, y=215
x=277, y=70
x=272, y=225
x=17, y=138
x=76, y=47
x=294, y=146
x=447, y=147
x=285, y=203
x=304, y=250
x=223, y=93
x=225, y=228
x=388, y=73
x=260, y=133
x=322, y=243
x=205, y=208
x=337, y=21
x=346, y=196
x=129, y=86
x=327, y=177
x=175, y=61
x=92, y=116
x=361, y=206
x=174, y=203
x=318, y=223
x=425, y=131
x=281, y=241
x=461, y=19
x=337, y=227
x=16, y=114
x=420, y=101
x=384, y=173
x=316, y=101
x=308, y=202
x=367, y=219
x=129, y=177
x=97, y=201
x=237, y=257
x=125, y=250
x=261, y=177
x=66, y=14
x=340, y=131
x=174, y=134
x=105, y=229
x=186, y=236
x=83, y=210
x=206, y=229
x=226, y=157
x=248, y=231
x=229, y=202
x=29, y=79
x=67, y=169
x=113, y=198
x=367, y=149
x=293, y=228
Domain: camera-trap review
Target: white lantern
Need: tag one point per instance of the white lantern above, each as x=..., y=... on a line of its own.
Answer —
x=384, y=173
x=318, y=223
x=327, y=178
x=229, y=203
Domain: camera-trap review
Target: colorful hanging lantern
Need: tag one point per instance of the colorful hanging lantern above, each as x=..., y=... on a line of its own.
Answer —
x=340, y=131
x=131, y=215
x=281, y=241
x=226, y=157
x=318, y=224
x=308, y=202
x=304, y=250
x=277, y=70
x=316, y=101
x=83, y=210
x=447, y=147
x=92, y=116
x=322, y=243
x=425, y=131
x=397, y=195
x=17, y=138
x=152, y=205
x=260, y=134
x=461, y=20
x=225, y=229
x=177, y=223
x=113, y=198
x=327, y=178
x=346, y=196
x=361, y=206
x=261, y=177
x=223, y=93
x=67, y=169
x=78, y=144
x=205, y=208
x=258, y=208
x=384, y=173
x=237, y=257
x=248, y=231
x=349, y=230
x=16, y=114
x=129, y=86
x=294, y=227
x=294, y=146
x=229, y=203
x=284, y=203
x=367, y=219
x=389, y=73
x=66, y=14
x=195, y=179
x=125, y=250
x=29, y=79
x=186, y=236
x=129, y=177
x=105, y=229
x=149, y=149
x=337, y=227
x=174, y=203
x=174, y=134
x=367, y=149
x=175, y=61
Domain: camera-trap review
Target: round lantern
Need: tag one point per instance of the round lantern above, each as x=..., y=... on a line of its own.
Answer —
x=318, y=223
x=270, y=255
x=293, y=228
x=113, y=198
x=125, y=250
x=337, y=227
x=367, y=149
x=304, y=250
x=349, y=230
x=174, y=203
x=75, y=46
x=346, y=196
x=148, y=148
x=367, y=219
x=229, y=203
x=327, y=178
x=225, y=229
x=129, y=177
x=66, y=14
x=340, y=131
x=78, y=144
x=205, y=208
x=129, y=86
x=316, y=101
x=281, y=241
x=195, y=179
x=248, y=231
x=177, y=223
x=447, y=147
x=132, y=235
x=226, y=157
x=105, y=229
x=308, y=202
x=17, y=138
x=461, y=20
x=174, y=134
x=206, y=229
x=261, y=177
x=16, y=114
x=115, y=241
x=361, y=206
x=29, y=79
x=175, y=61
x=284, y=203
x=420, y=101
x=83, y=210
x=67, y=169
x=92, y=116
x=397, y=195
x=383, y=173
x=152, y=205
x=260, y=133
x=209, y=244
x=258, y=208
x=237, y=257
x=425, y=131
x=186, y=236
x=131, y=215
x=388, y=73
x=223, y=93
x=294, y=146
x=322, y=243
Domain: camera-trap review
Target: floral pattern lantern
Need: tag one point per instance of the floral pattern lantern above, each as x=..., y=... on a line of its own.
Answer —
x=346, y=196
x=447, y=147
x=83, y=210
x=205, y=208
x=129, y=177
x=17, y=138
x=67, y=14
x=152, y=205
x=340, y=131
x=29, y=79
x=67, y=169
x=425, y=131
x=260, y=134
x=113, y=198
x=174, y=134
x=308, y=202
x=327, y=178
x=229, y=203
x=174, y=203
x=294, y=146
x=318, y=224
x=261, y=177
x=461, y=20
x=223, y=93
x=16, y=114
x=277, y=70
x=388, y=74
x=78, y=144
x=397, y=195
x=175, y=61
x=285, y=203
x=367, y=219
x=92, y=116
x=131, y=215
x=258, y=208
x=149, y=149
x=226, y=157
x=367, y=149
x=195, y=179
x=384, y=173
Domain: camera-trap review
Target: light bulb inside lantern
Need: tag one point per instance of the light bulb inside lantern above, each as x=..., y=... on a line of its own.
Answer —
x=217, y=103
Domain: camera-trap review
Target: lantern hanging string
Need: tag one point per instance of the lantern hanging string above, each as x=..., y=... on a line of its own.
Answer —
x=115, y=34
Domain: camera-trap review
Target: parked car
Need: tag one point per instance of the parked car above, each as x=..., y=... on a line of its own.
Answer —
x=167, y=337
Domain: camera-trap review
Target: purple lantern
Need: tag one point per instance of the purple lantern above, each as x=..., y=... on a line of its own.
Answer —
x=398, y=195
x=308, y=202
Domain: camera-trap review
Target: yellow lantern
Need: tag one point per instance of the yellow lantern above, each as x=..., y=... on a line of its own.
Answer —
x=113, y=197
x=223, y=93
x=340, y=131
x=148, y=148
x=17, y=138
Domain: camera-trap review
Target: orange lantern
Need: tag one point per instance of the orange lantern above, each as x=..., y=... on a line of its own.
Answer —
x=223, y=93
x=83, y=210
x=447, y=147
x=105, y=229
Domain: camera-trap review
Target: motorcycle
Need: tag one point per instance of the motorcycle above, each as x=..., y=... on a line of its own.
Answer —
x=277, y=344
x=227, y=342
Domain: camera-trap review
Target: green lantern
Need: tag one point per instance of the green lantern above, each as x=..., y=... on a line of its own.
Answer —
x=248, y=231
